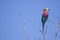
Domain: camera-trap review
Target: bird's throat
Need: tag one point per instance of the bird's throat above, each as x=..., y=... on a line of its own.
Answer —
x=45, y=13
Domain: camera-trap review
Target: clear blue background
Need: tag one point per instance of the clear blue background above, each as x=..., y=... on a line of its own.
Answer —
x=13, y=13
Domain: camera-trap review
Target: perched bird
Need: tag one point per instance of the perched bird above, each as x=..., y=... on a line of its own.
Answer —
x=44, y=17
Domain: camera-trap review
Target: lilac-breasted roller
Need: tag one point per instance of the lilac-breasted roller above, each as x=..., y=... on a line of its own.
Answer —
x=44, y=17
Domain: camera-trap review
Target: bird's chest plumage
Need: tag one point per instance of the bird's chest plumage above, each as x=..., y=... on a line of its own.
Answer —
x=44, y=18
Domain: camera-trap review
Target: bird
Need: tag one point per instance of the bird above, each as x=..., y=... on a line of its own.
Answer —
x=44, y=17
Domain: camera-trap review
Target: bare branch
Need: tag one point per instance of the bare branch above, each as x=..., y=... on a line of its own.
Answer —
x=46, y=29
x=25, y=30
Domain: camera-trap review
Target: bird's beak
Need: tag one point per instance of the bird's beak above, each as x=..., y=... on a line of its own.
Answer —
x=48, y=9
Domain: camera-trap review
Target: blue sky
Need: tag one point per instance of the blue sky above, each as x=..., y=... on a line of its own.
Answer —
x=13, y=13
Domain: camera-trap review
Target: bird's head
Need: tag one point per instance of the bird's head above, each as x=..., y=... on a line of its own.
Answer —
x=46, y=9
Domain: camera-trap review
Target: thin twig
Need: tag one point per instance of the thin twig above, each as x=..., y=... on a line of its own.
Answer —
x=39, y=31
x=44, y=36
x=25, y=30
x=56, y=35
x=57, y=28
x=46, y=29
x=44, y=33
